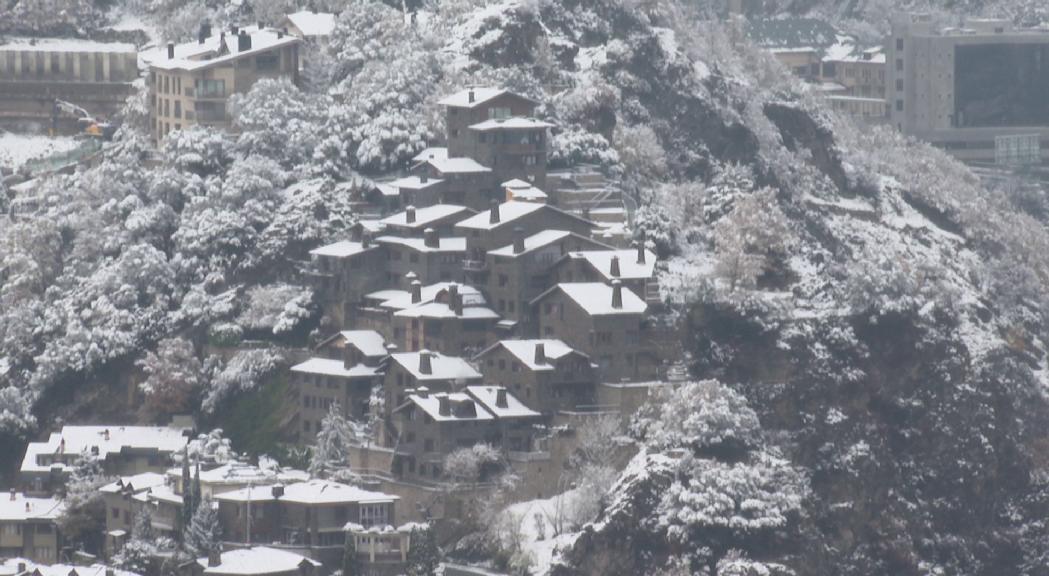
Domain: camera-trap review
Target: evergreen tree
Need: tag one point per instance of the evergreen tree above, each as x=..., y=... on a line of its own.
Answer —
x=333, y=444
x=187, y=497
x=196, y=486
x=424, y=558
x=84, y=518
x=142, y=529
x=204, y=533
x=351, y=565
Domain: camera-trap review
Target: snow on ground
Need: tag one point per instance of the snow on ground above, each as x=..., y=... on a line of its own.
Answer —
x=17, y=149
x=544, y=550
x=124, y=21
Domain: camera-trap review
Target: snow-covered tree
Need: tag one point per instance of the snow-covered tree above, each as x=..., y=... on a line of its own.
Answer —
x=332, y=451
x=473, y=464
x=243, y=372
x=84, y=518
x=174, y=374
x=211, y=447
x=278, y=121
x=351, y=564
x=750, y=239
x=204, y=533
x=276, y=308
x=424, y=557
x=705, y=417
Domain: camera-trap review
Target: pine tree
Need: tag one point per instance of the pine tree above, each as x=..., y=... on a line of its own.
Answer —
x=187, y=497
x=351, y=565
x=424, y=558
x=204, y=533
x=196, y=486
x=142, y=529
x=333, y=444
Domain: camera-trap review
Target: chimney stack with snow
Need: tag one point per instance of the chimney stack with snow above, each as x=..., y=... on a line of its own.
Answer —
x=613, y=268
x=500, y=398
x=214, y=558
x=617, y=294
x=430, y=238
x=493, y=214
x=243, y=41
x=519, y=240
x=417, y=291
x=425, y=362
x=471, y=96
x=171, y=50
x=424, y=178
x=455, y=299
x=444, y=405
x=409, y=214
x=641, y=251
x=540, y=353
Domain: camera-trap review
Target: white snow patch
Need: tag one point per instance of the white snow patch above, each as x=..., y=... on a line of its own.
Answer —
x=18, y=149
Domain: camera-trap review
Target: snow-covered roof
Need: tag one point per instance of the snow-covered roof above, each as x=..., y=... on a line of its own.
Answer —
x=137, y=483
x=508, y=212
x=460, y=165
x=488, y=396
x=337, y=368
x=65, y=45
x=402, y=299
x=163, y=493
x=511, y=123
x=441, y=367
x=524, y=350
x=11, y=565
x=16, y=506
x=437, y=152
x=425, y=216
x=369, y=342
x=533, y=242
x=257, y=560
x=415, y=183
x=217, y=49
x=442, y=310
x=313, y=24
x=240, y=473
x=107, y=439
x=596, y=298
x=453, y=244
x=522, y=190
x=791, y=33
x=310, y=492
x=462, y=98
x=461, y=406
x=629, y=267
x=342, y=249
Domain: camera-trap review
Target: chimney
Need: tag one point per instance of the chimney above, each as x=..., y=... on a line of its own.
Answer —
x=430, y=238
x=617, y=294
x=409, y=214
x=422, y=392
x=14, y=495
x=425, y=363
x=455, y=299
x=214, y=558
x=28, y=507
x=278, y=491
x=471, y=96
x=641, y=251
x=171, y=50
x=540, y=353
x=356, y=232
x=203, y=32
x=444, y=406
x=417, y=291
x=234, y=29
x=243, y=41
x=62, y=446
x=519, y=240
x=105, y=434
x=424, y=178
x=22, y=567
x=493, y=214
x=614, y=267
x=280, y=34
x=366, y=240
x=500, y=398
x=349, y=357
x=261, y=24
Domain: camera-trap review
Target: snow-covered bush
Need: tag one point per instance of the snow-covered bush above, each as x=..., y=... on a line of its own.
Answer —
x=704, y=417
x=243, y=372
x=276, y=308
x=174, y=374
x=473, y=464
x=331, y=454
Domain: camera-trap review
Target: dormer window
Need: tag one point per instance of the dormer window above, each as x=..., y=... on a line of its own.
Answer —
x=498, y=112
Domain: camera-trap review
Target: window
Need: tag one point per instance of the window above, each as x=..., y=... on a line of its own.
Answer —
x=267, y=61
x=305, y=425
x=210, y=88
x=167, y=85
x=178, y=109
x=499, y=112
x=899, y=105
x=899, y=64
x=54, y=63
x=899, y=44
x=899, y=84
x=829, y=69
x=410, y=437
x=428, y=445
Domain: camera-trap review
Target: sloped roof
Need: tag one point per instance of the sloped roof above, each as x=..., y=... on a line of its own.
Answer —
x=337, y=368
x=431, y=405
x=511, y=123
x=342, y=249
x=460, y=165
x=442, y=310
x=452, y=244
x=432, y=152
x=791, y=33
x=488, y=397
x=629, y=268
x=309, y=492
x=596, y=298
x=137, y=482
x=313, y=23
x=441, y=367
x=217, y=49
x=402, y=299
x=257, y=560
x=533, y=242
x=508, y=212
x=524, y=350
x=481, y=95
x=415, y=183
x=369, y=342
x=18, y=506
x=79, y=439
x=426, y=215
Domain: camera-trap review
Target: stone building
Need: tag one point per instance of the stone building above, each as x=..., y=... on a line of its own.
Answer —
x=28, y=527
x=546, y=374
x=636, y=269
x=409, y=371
x=191, y=83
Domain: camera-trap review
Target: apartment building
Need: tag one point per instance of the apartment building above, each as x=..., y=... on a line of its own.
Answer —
x=122, y=506
x=410, y=371
x=191, y=83
x=431, y=425
x=546, y=374
x=971, y=90
x=28, y=527
x=123, y=451
x=603, y=321
x=636, y=269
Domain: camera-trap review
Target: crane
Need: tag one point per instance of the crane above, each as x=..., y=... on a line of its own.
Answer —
x=88, y=124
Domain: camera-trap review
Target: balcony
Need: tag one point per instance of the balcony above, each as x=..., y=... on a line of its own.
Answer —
x=475, y=265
